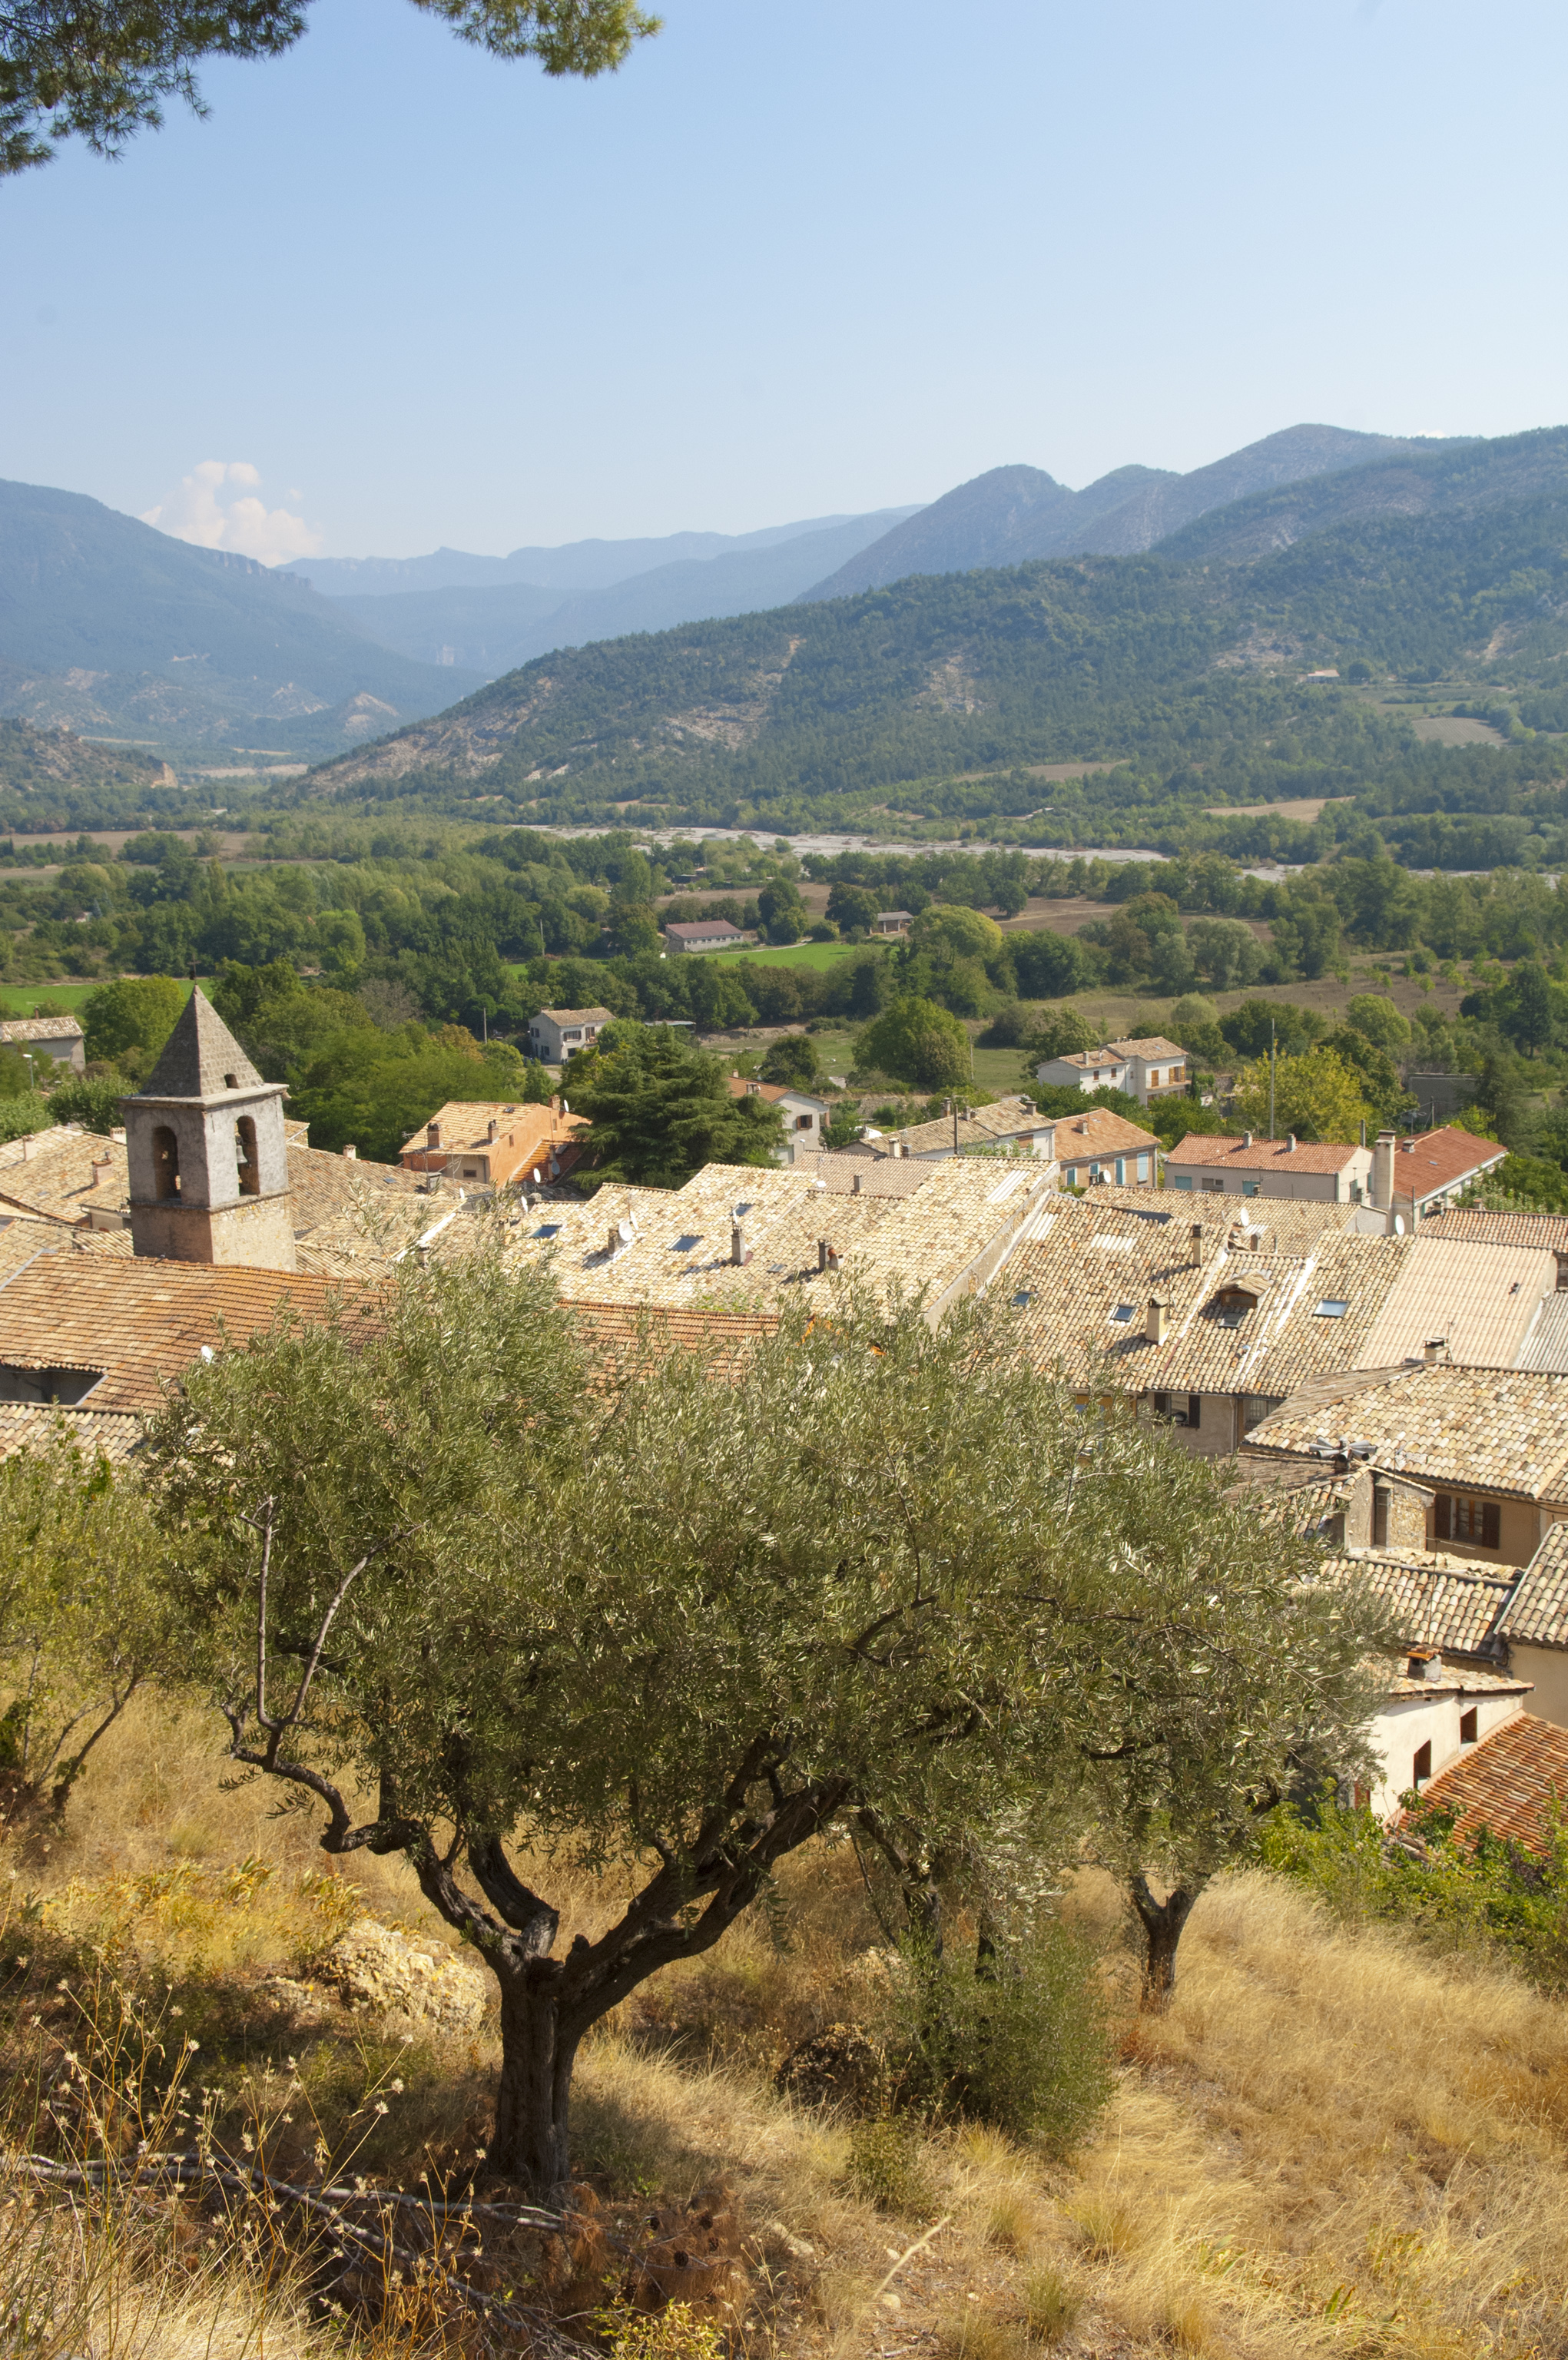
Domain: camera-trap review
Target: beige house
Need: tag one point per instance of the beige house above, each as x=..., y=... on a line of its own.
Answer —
x=59, y=1037
x=1333, y=1171
x=1148, y=1068
x=805, y=1116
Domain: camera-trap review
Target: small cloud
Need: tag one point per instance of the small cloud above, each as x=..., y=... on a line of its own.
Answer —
x=216, y=507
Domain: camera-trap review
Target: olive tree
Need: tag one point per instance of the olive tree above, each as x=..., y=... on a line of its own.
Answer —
x=491, y=1600
x=84, y=1618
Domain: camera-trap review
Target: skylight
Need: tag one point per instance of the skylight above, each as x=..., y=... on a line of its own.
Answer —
x=1331, y=1307
x=1121, y=1313
x=551, y=1230
x=685, y=1245
x=1022, y=1299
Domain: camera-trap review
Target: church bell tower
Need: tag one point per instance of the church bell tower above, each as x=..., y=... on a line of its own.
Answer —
x=209, y=1160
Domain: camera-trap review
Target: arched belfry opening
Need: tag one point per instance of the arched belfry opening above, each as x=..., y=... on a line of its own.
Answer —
x=208, y=1152
x=246, y=1164
x=165, y=1161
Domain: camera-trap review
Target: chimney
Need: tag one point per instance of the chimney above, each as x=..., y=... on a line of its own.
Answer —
x=1246, y=1139
x=1434, y=1350
x=1156, y=1319
x=1561, y=1271
x=492, y=1132
x=855, y=1185
x=1289, y=1143
x=1195, y=1236
x=101, y=1165
x=1423, y=1664
x=432, y=1136
x=1407, y=1147
x=554, y=1106
x=826, y=1256
x=1383, y=1172
x=351, y=1156
x=738, y=1254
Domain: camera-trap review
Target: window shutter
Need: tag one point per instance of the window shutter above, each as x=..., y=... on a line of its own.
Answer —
x=1491, y=1524
x=1442, y=1517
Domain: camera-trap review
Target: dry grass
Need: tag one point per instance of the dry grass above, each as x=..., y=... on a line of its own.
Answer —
x=1333, y=2144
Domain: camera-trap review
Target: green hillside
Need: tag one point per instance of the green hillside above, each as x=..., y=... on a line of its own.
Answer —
x=106, y=625
x=935, y=698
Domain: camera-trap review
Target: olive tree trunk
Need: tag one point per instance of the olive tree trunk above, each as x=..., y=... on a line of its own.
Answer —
x=1163, y=1923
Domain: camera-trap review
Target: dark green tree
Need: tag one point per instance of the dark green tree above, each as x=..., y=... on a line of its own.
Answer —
x=792, y=1059
x=661, y=1109
x=100, y=69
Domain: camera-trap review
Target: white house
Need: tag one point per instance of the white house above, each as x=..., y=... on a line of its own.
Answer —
x=704, y=934
x=554, y=1032
x=1148, y=1068
x=59, y=1037
x=805, y=1117
x=1335, y=1172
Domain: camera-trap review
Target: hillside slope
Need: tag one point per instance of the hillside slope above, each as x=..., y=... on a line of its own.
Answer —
x=1012, y=514
x=108, y=626
x=492, y=631
x=1097, y=658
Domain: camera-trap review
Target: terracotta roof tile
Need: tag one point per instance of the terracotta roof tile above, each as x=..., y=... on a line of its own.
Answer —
x=1478, y=1228
x=1502, y=1430
x=1510, y=1782
x=1286, y=1225
x=578, y=1015
x=1439, y=1159
x=1152, y=1044
x=139, y=1320
x=1097, y=1132
x=1431, y=1604
x=977, y=1127
x=26, y=1426
x=1536, y=1614
x=1212, y=1150
x=1482, y=1298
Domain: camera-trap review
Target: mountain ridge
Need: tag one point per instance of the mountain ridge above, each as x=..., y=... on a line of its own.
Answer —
x=1012, y=515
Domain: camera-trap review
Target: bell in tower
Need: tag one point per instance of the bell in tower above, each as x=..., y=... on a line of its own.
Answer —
x=208, y=1156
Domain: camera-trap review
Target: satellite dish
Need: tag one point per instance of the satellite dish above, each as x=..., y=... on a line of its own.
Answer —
x=1398, y=1225
x=626, y=1232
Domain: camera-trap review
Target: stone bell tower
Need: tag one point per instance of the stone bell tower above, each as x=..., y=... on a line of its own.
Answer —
x=209, y=1160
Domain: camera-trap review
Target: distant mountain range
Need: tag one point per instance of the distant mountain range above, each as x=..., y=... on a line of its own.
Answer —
x=114, y=630
x=490, y=621
x=1012, y=514
x=1187, y=661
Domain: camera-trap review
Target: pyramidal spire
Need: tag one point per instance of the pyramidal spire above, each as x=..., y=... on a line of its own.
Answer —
x=201, y=1058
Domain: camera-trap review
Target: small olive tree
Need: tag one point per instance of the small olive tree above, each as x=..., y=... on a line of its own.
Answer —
x=84, y=1619
x=672, y=1615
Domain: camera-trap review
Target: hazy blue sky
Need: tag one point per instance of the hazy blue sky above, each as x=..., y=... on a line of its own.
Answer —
x=794, y=258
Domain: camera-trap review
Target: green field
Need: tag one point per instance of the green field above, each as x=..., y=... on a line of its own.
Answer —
x=50, y=998
x=814, y=954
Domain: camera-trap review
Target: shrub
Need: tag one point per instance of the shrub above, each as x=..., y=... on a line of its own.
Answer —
x=93, y=1101
x=886, y=2167
x=1052, y=2306
x=20, y=1116
x=1024, y=2046
x=1455, y=1892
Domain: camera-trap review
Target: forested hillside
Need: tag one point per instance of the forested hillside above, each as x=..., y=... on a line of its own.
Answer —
x=106, y=625
x=935, y=698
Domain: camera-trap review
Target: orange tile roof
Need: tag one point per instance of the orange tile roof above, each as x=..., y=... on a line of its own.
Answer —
x=525, y=1136
x=140, y=1320
x=1437, y=1159
x=1509, y=1783
x=1097, y=1132
x=1263, y=1156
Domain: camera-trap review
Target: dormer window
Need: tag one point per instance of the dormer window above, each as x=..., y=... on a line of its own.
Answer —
x=1230, y=1306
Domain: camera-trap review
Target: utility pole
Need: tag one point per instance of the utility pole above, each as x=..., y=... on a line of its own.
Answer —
x=1273, y=1036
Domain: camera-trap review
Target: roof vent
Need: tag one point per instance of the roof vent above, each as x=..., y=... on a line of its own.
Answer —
x=351, y=1156
x=1246, y=1139
x=1434, y=1350
x=1289, y=1143
x=230, y=1081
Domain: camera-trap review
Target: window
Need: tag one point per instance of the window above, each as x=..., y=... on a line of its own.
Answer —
x=54, y=1386
x=1121, y=1313
x=550, y=1230
x=1249, y=1187
x=1182, y=1180
x=246, y=1160
x=165, y=1162
x=685, y=1245
x=1256, y=1407
x=802, y=1122
x=1214, y=1187
x=1420, y=1768
x=1467, y=1727
x=1231, y=1305
x=1331, y=1307
x=1179, y=1409
x=1153, y=1079
x=1476, y=1522
x=1120, y=1170
x=1380, y=1515
x=1022, y=1299
x=1143, y=1167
